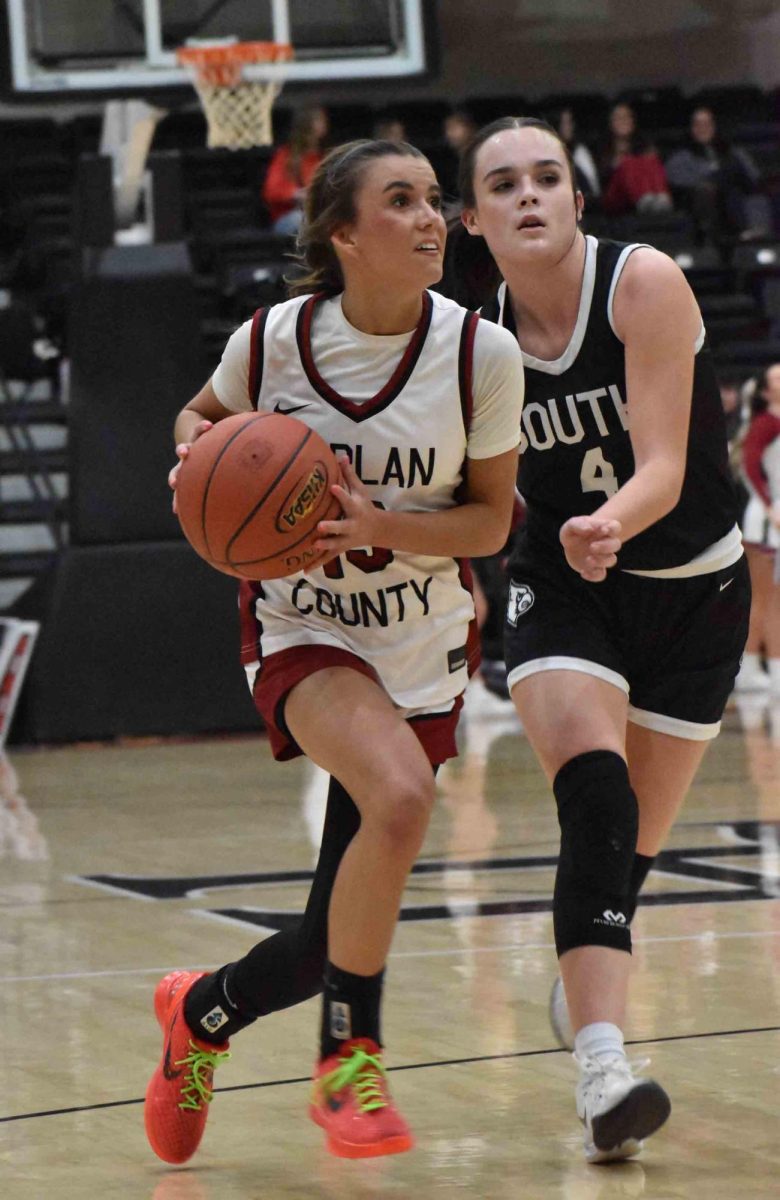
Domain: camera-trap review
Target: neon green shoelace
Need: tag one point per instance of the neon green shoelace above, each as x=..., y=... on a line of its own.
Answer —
x=196, y=1090
x=365, y=1074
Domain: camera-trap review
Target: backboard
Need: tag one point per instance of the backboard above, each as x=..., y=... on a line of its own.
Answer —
x=109, y=46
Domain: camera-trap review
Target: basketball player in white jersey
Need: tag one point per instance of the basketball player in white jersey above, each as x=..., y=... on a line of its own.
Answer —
x=360, y=662
x=629, y=593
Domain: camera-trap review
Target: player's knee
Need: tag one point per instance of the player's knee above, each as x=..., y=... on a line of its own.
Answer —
x=599, y=818
x=404, y=811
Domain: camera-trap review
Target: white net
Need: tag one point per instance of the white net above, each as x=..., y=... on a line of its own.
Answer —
x=238, y=110
x=238, y=114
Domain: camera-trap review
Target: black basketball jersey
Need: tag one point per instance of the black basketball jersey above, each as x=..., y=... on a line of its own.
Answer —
x=576, y=449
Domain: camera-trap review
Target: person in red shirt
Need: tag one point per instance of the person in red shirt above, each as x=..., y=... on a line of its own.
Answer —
x=632, y=174
x=761, y=533
x=292, y=167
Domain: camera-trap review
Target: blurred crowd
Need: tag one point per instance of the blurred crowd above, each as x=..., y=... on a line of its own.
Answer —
x=620, y=170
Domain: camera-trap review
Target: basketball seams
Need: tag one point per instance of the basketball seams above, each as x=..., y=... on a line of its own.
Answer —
x=253, y=512
x=214, y=465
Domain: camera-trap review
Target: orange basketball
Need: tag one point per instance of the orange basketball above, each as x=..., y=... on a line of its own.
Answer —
x=252, y=491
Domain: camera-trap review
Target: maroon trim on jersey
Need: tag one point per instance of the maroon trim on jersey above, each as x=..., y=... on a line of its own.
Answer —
x=281, y=672
x=249, y=592
x=466, y=368
x=360, y=410
x=278, y=675
x=436, y=732
x=257, y=355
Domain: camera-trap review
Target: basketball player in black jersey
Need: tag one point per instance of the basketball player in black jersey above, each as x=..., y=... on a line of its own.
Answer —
x=629, y=594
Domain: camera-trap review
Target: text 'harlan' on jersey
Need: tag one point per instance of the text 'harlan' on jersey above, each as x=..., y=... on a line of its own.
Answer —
x=564, y=419
x=403, y=465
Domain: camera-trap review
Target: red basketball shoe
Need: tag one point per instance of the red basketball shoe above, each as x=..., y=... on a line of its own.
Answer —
x=179, y=1092
x=351, y=1101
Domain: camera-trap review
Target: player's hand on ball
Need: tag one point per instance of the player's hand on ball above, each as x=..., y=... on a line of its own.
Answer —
x=591, y=546
x=360, y=523
x=182, y=450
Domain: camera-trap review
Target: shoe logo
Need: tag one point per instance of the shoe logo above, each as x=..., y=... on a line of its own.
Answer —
x=168, y=1070
x=726, y=584
x=215, y=1019
x=521, y=598
x=614, y=918
x=290, y=408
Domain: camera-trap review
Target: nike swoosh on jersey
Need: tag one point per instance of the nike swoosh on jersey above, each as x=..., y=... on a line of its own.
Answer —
x=726, y=584
x=293, y=408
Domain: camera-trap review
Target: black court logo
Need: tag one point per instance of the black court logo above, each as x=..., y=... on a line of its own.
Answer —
x=521, y=598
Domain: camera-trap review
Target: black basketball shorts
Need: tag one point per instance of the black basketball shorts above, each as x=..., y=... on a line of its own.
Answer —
x=673, y=645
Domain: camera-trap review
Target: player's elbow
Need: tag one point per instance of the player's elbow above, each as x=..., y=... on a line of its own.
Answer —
x=670, y=486
x=494, y=533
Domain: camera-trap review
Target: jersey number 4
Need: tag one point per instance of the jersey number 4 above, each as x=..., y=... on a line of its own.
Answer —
x=597, y=474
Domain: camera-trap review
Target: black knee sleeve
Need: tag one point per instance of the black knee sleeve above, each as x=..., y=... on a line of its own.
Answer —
x=599, y=818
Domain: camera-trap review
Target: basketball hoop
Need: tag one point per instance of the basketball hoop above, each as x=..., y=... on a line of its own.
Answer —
x=238, y=110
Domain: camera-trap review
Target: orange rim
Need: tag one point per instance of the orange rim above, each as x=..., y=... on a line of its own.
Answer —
x=221, y=66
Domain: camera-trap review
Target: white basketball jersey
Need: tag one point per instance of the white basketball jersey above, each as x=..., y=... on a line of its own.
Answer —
x=406, y=615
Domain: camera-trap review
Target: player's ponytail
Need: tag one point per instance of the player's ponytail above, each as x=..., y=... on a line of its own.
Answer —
x=330, y=203
x=470, y=276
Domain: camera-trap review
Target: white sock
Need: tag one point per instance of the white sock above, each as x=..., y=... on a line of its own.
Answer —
x=751, y=664
x=599, y=1040
x=774, y=673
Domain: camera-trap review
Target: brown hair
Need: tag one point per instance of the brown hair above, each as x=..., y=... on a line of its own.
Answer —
x=468, y=159
x=470, y=272
x=330, y=202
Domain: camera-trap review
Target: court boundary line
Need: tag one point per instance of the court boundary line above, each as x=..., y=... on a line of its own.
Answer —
x=706, y=935
x=447, y=1062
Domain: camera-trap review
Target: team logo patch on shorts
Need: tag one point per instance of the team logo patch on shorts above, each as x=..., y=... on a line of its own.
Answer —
x=521, y=598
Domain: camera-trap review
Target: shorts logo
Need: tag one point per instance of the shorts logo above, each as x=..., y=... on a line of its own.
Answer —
x=520, y=600
x=214, y=1020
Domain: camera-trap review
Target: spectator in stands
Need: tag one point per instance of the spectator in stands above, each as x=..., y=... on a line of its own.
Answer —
x=388, y=127
x=737, y=413
x=587, y=175
x=457, y=131
x=718, y=182
x=292, y=167
x=632, y=174
x=761, y=533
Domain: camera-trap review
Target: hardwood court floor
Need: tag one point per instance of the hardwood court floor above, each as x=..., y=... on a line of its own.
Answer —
x=121, y=862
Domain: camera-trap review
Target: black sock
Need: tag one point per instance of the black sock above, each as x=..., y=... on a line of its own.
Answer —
x=211, y=1010
x=639, y=872
x=287, y=967
x=350, y=1008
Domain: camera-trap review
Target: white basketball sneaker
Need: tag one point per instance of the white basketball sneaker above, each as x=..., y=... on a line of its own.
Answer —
x=617, y=1109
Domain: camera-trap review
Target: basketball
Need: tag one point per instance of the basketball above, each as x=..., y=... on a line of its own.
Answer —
x=252, y=491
